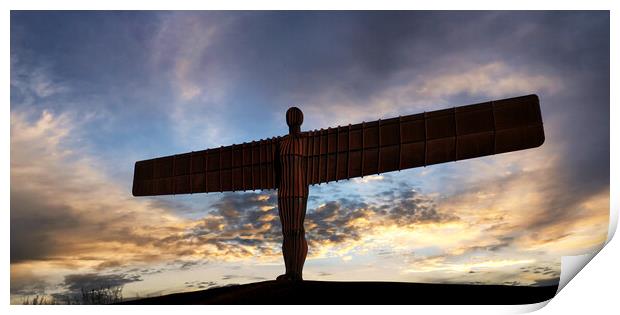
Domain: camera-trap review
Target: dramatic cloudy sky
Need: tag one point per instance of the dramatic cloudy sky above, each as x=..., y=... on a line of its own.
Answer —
x=91, y=93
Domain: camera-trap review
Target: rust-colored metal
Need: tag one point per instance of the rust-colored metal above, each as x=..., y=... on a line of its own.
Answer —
x=292, y=162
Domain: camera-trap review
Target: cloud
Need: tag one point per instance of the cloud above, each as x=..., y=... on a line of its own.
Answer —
x=60, y=198
x=183, y=41
x=431, y=90
x=241, y=226
x=25, y=283
x=549, y=213
x=219, y=67
x=185, y=49
x=101, y=288
x=544, y=270
x=33, y=84
x=495, y=79
x=201, y=284
x=75, y=283
x=368, y=179
x=501, y=243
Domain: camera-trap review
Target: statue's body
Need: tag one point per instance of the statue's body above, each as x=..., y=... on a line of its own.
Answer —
x=293, y=196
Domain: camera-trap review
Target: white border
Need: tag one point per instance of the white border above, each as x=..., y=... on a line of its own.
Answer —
x=591, y=289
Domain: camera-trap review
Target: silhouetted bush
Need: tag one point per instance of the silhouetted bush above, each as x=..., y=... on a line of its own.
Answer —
x=106, y=295
x=103, y=295
x=39, y=300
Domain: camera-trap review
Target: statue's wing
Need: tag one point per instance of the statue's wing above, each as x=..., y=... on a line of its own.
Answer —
x=423, y=139
x=246, y=166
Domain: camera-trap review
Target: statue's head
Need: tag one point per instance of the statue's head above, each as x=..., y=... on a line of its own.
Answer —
x=294, y=119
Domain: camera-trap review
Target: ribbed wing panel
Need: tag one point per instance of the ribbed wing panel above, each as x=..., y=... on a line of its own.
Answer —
x=423, y=139
x=246, y=166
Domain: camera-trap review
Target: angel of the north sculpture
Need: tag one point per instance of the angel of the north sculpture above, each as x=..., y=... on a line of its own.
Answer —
x=293, y=162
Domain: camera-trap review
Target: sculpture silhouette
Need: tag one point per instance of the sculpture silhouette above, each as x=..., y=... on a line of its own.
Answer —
x=293, y=162
x=293, y=196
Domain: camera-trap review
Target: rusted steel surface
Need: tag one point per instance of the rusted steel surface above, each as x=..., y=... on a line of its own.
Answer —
x=293, y=196
x=240, y=167
x=356, y=150
x=441, y=136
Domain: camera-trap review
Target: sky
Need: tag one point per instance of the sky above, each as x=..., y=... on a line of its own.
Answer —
x=93, y=92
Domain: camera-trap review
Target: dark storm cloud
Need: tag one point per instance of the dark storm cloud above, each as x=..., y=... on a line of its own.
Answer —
x=408, y=206
x=75, y=283
x=360, y=53
x=92, y=288
x=33, y=225
x=28, y=286
x=229, y=207
x=331, y=223
x=238, y=216
x=44, y=229
x=73, y=46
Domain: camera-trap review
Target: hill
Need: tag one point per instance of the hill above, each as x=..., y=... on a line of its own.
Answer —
x=324, y=292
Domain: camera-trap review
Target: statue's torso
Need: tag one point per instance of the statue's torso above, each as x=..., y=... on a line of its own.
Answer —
x=292, y=167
